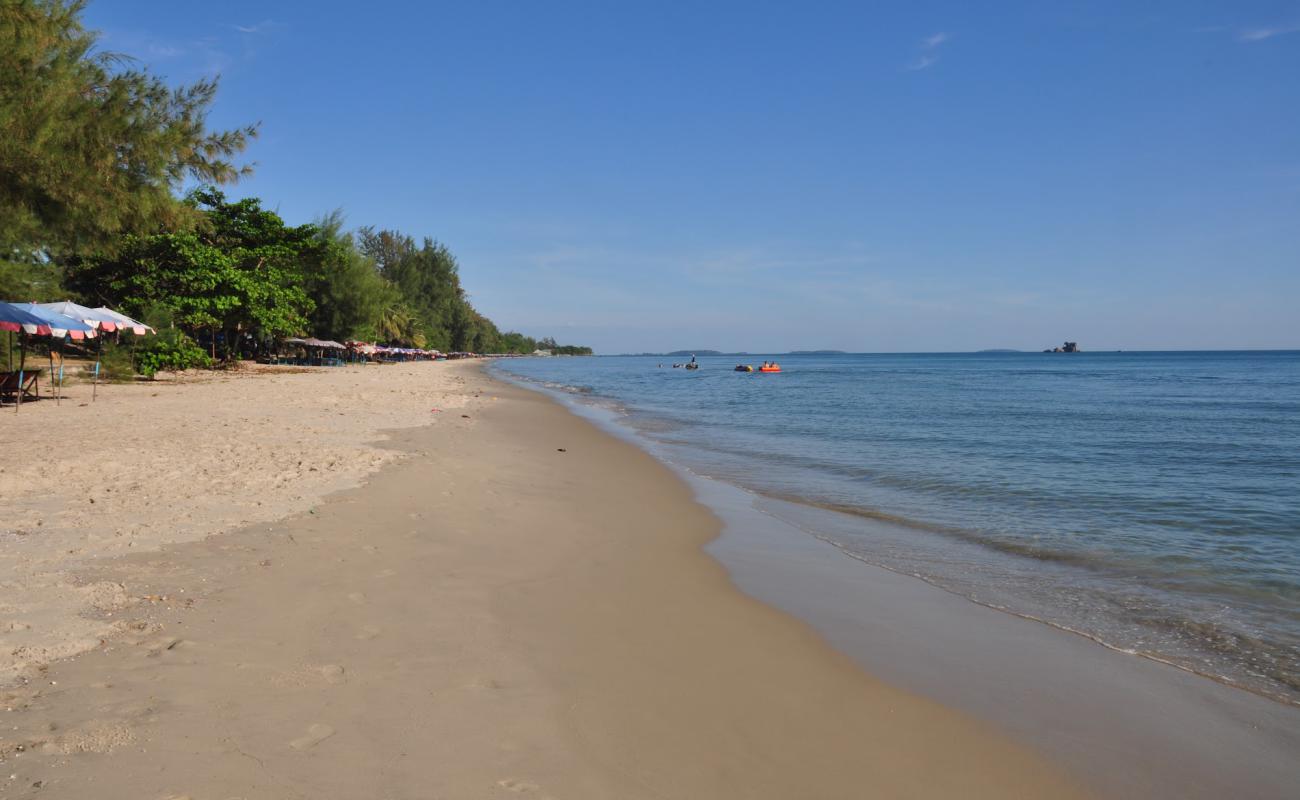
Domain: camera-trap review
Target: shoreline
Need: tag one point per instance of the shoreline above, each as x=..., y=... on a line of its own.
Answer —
x=520, y=605
x=1202, y=737
x=1225, y=632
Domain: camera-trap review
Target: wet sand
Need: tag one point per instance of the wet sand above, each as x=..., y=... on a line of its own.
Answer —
x=519, y=606
x=1126, y=726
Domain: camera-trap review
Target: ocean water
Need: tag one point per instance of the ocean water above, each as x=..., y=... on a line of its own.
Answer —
x=1150, y=501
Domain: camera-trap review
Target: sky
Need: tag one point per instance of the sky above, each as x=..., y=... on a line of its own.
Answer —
x=870, y=177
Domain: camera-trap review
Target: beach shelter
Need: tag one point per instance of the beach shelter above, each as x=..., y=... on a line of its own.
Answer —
x=60, y=327
x=15, y=320
x=92, y=317
x=125, y=323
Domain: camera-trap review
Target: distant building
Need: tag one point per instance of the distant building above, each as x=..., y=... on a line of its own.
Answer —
x=542, y=352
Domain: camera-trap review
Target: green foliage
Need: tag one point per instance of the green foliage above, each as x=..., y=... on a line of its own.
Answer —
x=240, y=271
x=115, y=362
x=92, y=155
x=550, y=344
x=429, y=298
x=350, y=295
x=427, y=281
x=571, y=350
x=170, y=350
x=25, y=283
x=88, y=150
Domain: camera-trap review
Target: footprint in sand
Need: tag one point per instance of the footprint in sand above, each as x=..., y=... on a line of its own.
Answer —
x=316, y=734
x=512, y=785
x=333, y=673
x=357, y=597
x=368, y=632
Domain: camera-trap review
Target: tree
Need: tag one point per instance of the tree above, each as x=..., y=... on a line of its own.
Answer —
x=428, y=281
x=426, y=278
x=345, y=286
x=238, y=273
x=90, y=151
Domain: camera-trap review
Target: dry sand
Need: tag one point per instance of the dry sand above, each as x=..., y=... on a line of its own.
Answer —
x=174, y=461
x=520, y=606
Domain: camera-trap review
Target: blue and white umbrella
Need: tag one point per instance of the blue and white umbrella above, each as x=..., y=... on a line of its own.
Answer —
x=15, y=320
x=92, y=317
x=59, y=324
x=125, y=323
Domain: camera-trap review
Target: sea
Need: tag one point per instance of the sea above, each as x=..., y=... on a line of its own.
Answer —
x=1147, y=500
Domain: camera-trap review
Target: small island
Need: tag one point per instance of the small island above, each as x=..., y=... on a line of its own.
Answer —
x=1068, y=347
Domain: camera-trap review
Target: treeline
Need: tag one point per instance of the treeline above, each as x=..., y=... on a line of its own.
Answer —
x=92, y=160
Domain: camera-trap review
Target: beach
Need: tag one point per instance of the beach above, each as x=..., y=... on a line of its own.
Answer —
x=500, y=600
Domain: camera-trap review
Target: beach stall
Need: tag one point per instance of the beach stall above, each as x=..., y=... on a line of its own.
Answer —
x=316, y=350
x=322, y=347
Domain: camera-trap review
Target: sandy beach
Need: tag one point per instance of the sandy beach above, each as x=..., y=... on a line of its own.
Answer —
x=488, y=600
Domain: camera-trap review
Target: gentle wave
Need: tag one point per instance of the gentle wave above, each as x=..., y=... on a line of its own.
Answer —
x=1145, y=501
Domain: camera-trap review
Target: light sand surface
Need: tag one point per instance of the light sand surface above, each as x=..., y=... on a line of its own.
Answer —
x=519, y=607
x=149, y=464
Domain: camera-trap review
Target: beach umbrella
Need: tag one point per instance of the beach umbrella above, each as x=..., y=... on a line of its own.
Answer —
x=93, y=318
x=125, y=323
x=58, y=324
x=15, y=320
x=60, y=327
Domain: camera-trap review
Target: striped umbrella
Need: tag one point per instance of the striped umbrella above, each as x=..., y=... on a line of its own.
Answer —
x=58, y=324
x=92, y=317
x=15, y=320
x=125, y=323
x=60, y=327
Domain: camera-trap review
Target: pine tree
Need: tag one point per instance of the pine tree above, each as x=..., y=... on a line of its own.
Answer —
x=90, y=148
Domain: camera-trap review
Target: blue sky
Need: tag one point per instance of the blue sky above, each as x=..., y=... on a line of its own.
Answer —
x=910, y=176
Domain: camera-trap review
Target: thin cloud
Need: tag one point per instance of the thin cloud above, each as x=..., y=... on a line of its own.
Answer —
x=922, y=63
x=162, y=50
x=1251, y=35
x=260, y=28
x=929, y=55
